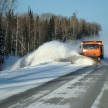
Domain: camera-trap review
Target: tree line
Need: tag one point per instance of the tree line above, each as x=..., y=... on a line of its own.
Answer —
x=23, y=33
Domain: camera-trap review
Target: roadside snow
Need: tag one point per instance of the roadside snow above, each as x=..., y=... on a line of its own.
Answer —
x=17, y=81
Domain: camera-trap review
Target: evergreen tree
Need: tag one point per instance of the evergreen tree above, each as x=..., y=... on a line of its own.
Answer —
x=1, y=43
x=51, y=29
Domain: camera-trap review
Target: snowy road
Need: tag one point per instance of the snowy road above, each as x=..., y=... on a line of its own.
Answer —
x=84, y=88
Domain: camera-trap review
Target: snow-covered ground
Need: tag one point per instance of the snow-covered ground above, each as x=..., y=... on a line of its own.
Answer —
x=38, y=67
x=16, y=81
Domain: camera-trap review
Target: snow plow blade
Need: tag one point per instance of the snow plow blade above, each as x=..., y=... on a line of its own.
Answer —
x=95, y=60
x=81, y=59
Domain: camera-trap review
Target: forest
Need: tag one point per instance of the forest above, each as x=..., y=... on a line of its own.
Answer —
x=21, y=33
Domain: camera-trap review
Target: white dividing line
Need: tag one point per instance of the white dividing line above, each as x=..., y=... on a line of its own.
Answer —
x=106, y=88
x=97, y=101
x=99, y=66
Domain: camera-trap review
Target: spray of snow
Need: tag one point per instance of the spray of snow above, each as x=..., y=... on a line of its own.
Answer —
x=48, y=52
x=84, y=61
x=9, y=62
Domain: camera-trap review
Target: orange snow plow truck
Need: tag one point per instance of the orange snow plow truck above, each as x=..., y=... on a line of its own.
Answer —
x=92, y=49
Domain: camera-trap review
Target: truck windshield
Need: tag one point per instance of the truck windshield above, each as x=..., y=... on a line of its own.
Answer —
x=91, y=46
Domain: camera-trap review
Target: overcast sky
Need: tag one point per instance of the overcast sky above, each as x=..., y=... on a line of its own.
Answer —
x=90, y=10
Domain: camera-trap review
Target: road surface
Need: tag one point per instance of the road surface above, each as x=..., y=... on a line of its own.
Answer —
x=84, y=88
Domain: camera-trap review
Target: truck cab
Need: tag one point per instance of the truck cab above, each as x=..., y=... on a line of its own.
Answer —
x=92, y=49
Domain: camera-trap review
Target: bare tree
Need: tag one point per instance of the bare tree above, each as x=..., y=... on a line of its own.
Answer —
x=3, y=5
x=8, y=5
x=74, y=27
x=9, y=13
